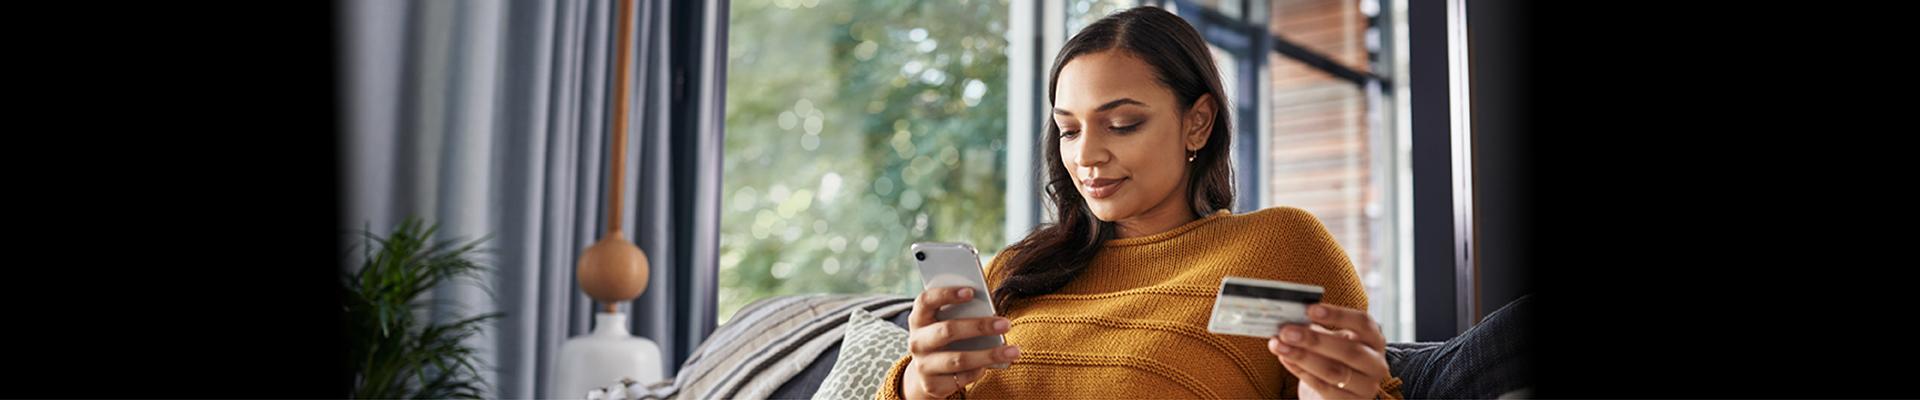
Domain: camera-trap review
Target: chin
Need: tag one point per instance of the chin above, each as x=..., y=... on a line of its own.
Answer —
x=1105, y=210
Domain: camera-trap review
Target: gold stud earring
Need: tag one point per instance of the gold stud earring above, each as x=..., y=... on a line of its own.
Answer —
x=1191, y=154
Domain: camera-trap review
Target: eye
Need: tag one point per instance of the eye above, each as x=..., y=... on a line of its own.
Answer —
x=1069, y=134
x=1125, y=129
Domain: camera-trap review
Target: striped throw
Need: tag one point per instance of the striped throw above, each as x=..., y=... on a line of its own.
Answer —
x=768, y=342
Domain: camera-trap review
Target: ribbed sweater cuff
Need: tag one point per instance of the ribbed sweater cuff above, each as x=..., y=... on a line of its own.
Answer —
x=891, y=389
x=1390, y=389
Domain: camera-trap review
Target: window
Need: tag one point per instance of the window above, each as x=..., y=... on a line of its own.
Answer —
x=1324, y=129
x=1328, y=152
x=1081, y=13
x=855, y=128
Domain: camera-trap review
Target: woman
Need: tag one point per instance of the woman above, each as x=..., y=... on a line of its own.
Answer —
x=1112, y=300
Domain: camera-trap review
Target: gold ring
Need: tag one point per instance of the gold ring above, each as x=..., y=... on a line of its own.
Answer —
x=956, y=381
x=1343, y=380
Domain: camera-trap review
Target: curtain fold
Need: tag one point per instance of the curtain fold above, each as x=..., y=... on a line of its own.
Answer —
x=490, y=118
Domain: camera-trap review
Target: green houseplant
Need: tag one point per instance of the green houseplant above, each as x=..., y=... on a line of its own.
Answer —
x=397, y=353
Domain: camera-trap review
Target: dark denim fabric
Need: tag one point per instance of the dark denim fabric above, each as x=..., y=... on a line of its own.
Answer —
x=1489, y=360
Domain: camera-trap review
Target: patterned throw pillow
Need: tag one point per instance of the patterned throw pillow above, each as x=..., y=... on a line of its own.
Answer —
x=868, y=350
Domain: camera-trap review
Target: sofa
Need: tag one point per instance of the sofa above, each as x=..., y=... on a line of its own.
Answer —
x=783, y=347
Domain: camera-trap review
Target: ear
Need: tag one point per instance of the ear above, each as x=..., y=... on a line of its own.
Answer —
x=1199, y=123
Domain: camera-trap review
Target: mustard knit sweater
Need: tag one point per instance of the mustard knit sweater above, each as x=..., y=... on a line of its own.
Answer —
x=1134, y=323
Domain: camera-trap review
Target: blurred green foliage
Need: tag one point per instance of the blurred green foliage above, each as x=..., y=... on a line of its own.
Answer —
x=855, y=128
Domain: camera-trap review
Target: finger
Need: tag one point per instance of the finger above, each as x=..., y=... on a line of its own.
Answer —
x=1358, y=321
x=932, y=338
x=930, y=301
x=1317, y=384
x=933, y=386
x=967, y=378
x=1339, y=347
x=1284, y=361
x=1292, y=367
x=1343, y=333
x=948, y=362
x=1328, y=389
x=1309, y=364
x=955, y=382
x=1289, y=357
x=1308, y=379
x=1287, y=354
x=951, y=383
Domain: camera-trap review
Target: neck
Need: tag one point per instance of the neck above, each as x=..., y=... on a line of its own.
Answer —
x=610, y=324
x=1170, y=213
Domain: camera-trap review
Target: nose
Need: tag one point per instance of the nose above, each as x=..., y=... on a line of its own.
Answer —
x=1089, y=151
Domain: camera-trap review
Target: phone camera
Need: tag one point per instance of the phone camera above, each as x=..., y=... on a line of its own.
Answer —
x=920, y=255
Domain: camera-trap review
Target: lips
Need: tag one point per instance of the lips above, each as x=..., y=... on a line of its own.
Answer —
x=1102, y=187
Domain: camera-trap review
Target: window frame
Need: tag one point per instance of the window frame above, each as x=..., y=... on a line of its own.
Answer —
x=1036, y=28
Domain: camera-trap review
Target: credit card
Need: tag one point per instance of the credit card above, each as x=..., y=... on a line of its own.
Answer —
x=1256, y=307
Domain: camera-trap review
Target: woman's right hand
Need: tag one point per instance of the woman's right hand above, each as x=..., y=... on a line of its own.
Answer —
x=936, y=374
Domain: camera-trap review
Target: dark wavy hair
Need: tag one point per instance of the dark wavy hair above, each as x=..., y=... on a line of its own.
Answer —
x=1055, y=253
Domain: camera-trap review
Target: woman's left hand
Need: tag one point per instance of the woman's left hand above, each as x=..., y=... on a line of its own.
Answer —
x=1342, y=355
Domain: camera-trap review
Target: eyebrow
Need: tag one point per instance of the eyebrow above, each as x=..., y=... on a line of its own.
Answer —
x=1103, y=107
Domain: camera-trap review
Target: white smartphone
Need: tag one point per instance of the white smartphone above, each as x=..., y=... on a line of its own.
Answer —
x=958, y=264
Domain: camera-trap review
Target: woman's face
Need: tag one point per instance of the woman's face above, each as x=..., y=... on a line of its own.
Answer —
x=1124, y=137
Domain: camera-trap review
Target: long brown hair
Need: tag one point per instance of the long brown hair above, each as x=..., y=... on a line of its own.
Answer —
x=1054, y=254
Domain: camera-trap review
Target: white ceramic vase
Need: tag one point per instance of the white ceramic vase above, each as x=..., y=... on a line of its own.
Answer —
x=603, y=358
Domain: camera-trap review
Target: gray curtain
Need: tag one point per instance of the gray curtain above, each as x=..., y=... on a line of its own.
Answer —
x=491, y=118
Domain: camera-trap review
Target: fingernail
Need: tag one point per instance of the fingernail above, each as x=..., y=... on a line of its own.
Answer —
x=1290, y=335
x=966, y=293
x=1281, y=348
x=1011, y=351
x=1318, y=311
x=1001, y=325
